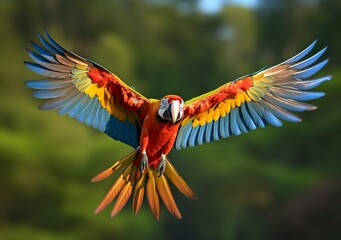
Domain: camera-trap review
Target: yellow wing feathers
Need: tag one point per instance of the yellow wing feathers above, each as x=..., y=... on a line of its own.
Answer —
x=83, y=83
x=250, y=88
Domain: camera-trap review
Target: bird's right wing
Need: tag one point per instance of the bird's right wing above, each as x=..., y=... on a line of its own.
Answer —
x=86, y=91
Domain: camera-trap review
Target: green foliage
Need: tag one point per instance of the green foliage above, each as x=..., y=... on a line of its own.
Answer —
x=268, y=184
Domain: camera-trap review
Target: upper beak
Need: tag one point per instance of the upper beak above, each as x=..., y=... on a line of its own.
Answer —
x=174, y=110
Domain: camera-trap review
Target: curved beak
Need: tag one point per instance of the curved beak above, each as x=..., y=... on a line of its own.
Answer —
x=174, y=110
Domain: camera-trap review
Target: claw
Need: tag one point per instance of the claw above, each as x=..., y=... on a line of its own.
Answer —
x=161, y=167
x=144, y=162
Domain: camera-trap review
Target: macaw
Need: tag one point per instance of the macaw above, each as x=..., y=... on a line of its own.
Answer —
x=92, y=94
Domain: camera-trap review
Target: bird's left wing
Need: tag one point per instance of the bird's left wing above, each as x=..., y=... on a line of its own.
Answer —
x=268, y=96
x=85, y=91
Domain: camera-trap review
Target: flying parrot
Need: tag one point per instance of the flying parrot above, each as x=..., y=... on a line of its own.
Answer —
x=92, y=94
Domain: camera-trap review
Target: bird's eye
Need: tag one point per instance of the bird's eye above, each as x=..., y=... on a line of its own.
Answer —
x=164, y=103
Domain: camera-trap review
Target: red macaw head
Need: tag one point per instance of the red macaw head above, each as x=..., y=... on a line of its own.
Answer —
x=171, y=108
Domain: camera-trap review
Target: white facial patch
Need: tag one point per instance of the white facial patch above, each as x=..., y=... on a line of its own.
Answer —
x=172, y=111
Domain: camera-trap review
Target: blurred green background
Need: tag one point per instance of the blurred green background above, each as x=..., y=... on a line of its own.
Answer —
x=273, y=183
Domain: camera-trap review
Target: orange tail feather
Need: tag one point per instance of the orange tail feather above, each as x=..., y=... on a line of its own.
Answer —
x=132, y=181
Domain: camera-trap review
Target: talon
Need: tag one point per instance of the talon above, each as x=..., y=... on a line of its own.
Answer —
x=144, y=162
x=161, y=167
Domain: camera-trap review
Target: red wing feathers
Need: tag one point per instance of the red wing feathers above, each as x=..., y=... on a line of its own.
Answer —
x=268, y=96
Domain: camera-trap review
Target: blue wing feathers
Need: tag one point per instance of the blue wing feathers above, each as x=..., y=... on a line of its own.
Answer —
x=298, y=95
x=301, y=54
x=208, y=132
x=114, y=124
x=270, y=118
x=54, y=103
x=187, y=133
x=77, y=112
x=97, y=120
x=96, y=115
x=307, y=85
x=257, y=118
x=103, y=119
x=312, y=70
x=36, y=57
x=87, y=109
x=241, y=123
x=70, y=103
x=227, y=125
x=201, y=139
x=193, y=137
x=91, y=114
x=60, y=93
x=259, y=110
x=247, y=118
x=309, y=61
x=178, y=143
x=54, y=43
x=47, y=84
x=51, y=93
x=37, y=68
x=233, y=122
x=48, y=45
x=44, y=53
x=290, y=105
x=129, y=130
x=283, y=96
x=45, y=71
x=222, y=129
x=216, y=133
x=278, y=112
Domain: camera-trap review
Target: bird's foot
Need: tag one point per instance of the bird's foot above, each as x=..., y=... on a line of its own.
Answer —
x=144, y=162
x=161, y=167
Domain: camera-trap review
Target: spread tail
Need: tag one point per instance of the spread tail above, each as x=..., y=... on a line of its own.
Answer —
x=132, y=181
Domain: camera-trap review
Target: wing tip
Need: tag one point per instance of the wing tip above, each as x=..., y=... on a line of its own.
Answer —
x=314, y=95
x=29, y=83
x=315, y=41
x=306, y=73
x=32, y=66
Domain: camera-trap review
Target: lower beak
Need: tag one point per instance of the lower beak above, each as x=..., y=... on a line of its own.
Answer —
x=174, y=109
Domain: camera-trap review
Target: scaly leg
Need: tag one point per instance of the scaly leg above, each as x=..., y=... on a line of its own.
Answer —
x=144, y=162
x=161, y=167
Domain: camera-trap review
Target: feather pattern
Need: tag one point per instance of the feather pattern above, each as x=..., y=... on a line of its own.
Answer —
x=139, y=194
x=167, y=196
x=91, y=94
x=151, y=184
x=79, y=88
x=122, y=198
x=177, y=180
x=267, y=96
x=114, y=190
x=152, y=196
